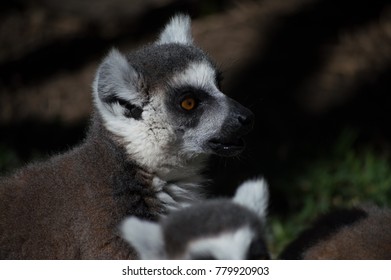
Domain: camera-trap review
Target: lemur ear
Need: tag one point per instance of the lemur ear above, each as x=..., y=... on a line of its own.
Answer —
x=178, y=30
x=146, y=237
x=116, y=85
x=253, y=195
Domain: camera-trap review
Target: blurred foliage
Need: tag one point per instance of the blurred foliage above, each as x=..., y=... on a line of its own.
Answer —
x=345, y=177
x=8, y=159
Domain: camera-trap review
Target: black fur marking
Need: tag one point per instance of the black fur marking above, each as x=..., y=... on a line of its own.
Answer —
x=219, y=79
x=132, y=111
x=202, y=257
x=324, y=227
x=184, y=118
x=258, y=250
x=132, y=192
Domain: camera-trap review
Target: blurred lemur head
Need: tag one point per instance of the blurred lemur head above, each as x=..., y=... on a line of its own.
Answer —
x=213, y=229
x=164, y=105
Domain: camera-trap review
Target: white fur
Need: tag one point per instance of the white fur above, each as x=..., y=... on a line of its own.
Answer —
x=146, y=237
x=254, y=195
x=178, y=30
x=175, y=196
x=226, y=246
x=199, y=75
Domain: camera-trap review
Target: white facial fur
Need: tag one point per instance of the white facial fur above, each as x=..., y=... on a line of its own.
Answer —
x=232, y=245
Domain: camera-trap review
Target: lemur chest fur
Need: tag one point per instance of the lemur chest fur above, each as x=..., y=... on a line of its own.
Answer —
x=151, y=197
x=176, y=194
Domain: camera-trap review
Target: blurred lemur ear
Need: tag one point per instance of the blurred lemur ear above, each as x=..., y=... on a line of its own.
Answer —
x=253, y=195
x=146, y=237
x=178, y=30
x=116, y=86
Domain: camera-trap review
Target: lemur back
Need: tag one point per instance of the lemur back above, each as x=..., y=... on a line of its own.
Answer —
x=357, y=233
x=212, y=229
x=159, y=114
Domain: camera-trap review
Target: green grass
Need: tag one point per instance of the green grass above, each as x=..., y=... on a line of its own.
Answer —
x=345, y=177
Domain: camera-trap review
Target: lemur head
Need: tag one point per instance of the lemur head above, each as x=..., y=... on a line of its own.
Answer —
x=163, y=102
x=357, y=233
x=213, y=229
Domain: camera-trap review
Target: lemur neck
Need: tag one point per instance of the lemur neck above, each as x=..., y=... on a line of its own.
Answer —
x=182, y=169
x=157, y=190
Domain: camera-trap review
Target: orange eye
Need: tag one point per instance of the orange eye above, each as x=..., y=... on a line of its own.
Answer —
x=188, y=103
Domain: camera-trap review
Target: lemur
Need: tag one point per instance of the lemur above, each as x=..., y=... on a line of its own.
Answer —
x=362, y=232
x=159, y=114
x=212, y=229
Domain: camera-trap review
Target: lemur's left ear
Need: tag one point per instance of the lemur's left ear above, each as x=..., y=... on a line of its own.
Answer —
x=178, y=30
x=254, y=195
x=116, y=87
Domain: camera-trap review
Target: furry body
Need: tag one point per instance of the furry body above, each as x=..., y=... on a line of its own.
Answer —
x=347, y=234
x=47, y=220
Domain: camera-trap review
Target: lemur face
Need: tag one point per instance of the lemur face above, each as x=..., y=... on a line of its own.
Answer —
x=164, y=104
x=214, y=229
x=203, y=120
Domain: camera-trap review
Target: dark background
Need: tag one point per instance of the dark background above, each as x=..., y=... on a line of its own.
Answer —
x=310, y=70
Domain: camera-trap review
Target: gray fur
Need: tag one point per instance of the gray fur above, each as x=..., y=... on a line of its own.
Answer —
x=157, y=63
x=142, y=156
x=67, y=207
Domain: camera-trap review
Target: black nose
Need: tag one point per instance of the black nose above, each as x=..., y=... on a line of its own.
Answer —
x=246, y=120
x=241, y=119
